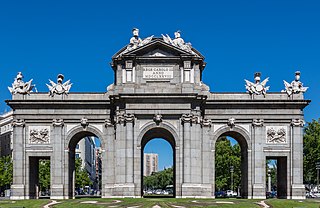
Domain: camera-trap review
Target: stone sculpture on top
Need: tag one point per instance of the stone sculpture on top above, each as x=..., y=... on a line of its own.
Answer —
x=21, y=87
x=295, y=87
x=178, y=42
x=258, y=88
x=136, y=41
x=59, y=88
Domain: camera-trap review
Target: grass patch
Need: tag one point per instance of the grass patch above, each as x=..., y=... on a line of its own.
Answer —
x=163, y=203
x=280, y=203
x=32, y=203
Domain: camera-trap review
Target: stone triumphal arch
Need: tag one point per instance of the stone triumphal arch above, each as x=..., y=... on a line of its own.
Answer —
x=157, y=92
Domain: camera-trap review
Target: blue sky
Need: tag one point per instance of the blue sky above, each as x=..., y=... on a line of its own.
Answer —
x=238, y=38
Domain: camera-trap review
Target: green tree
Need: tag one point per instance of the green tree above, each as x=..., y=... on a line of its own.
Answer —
x=82, y=176
x=5, y=172
x=226, y=156
x=159, y=180
x=44, y=175
x=311, y=151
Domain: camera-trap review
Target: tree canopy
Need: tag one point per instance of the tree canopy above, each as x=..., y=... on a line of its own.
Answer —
x=226, y=156
x=159, y=180
x=5, y=171
x=44, y=175
x=311, y=151
x=82, y=176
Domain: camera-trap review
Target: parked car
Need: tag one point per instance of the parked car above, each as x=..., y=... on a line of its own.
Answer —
x=231, y=193
x=220, y=194
x=164, y=192
x=315, y=194
x=158, y=191
x=270, y=194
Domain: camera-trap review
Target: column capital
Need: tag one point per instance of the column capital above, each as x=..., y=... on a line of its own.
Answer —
x=18, y=123
x=57, y=122
x=186, y=118
x=205, y=122
x=297, y=122
x=258, y=122
x=108, y=123
x=129, y=118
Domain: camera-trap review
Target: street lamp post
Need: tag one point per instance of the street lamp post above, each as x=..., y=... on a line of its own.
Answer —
x=269, y=180
x=231, y=171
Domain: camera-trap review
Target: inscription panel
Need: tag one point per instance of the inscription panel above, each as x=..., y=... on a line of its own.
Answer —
x=157, y=73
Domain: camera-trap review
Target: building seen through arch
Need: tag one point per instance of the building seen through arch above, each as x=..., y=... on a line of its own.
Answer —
x=158, y=93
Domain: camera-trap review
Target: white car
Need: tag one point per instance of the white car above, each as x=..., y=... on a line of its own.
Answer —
x=231, y=193
x=158, y=191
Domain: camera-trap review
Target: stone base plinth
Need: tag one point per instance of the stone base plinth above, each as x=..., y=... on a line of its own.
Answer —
x=119, y=191
x=57, y=191
x=18, y=192
x=259, y=191
x=298, y=191
x=196, y=191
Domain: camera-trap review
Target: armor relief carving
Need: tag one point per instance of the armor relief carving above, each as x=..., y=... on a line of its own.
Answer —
x=276, y=134
x=39, y=135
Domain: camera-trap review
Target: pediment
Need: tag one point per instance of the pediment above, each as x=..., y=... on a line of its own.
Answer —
x=158, y=53
x=157, y=48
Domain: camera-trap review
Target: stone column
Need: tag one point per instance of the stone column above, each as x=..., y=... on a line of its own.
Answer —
x=57, y=188
x=195, y=151
x=120, y=151
x=129, y=119
x=298, y=190
x=18, y=157
x=108, y=161
x=208, y=159
x=258, y=162
x=186, y=120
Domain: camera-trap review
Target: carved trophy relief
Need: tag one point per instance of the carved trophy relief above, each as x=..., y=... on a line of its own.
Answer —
x=276, y=134
x=39, y=135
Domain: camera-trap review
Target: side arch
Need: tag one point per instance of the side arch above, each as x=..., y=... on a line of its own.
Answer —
x=78, y=132
x=73, y=137
x=242, y=136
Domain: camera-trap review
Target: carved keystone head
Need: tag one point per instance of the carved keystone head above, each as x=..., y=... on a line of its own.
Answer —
x=157, y=118
x=84, y=122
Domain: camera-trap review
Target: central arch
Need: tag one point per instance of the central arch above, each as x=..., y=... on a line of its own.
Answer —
x=243, y=139
x=159, y=131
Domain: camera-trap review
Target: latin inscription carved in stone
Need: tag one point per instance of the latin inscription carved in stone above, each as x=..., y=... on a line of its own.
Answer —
x=157, y=73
